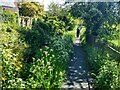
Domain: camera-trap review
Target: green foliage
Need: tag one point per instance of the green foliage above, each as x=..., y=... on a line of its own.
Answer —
x=114, y=42
x=71, y=34
x=9, y=16
x=39, y=35
x=51, y=54
x=13, y=49
x=98, y=18
x=108, y=76
x=48, y=71
x=54, y=9
x=63, y=47
x=57, y=25
x=61, y=24
x=61, y=18
x=108, y=32
x=95, y=58
x=103, y=66
x=31, y=9
x=45, y=31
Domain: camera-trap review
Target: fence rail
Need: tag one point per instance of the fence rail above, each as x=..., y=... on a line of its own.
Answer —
x=113, y=49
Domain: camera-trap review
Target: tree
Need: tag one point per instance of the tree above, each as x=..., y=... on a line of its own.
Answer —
x=31, y=9
x=96, y=16
x=54, y=9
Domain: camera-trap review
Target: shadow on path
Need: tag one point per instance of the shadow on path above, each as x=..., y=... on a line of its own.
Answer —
x=78, y=76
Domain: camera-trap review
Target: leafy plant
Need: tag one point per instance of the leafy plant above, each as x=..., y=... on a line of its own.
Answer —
x=103, y=66
x=108, y=76
x=9, y=16
x=49, y=65
x=13, y=49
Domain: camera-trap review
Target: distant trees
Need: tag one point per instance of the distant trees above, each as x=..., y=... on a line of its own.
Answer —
x=54, y=9
x=98, y=18
x=61, y=16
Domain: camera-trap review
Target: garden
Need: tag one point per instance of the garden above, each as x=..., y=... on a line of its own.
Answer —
x=37, y=56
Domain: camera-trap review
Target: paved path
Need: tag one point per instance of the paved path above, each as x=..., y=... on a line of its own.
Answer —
x=77, y=70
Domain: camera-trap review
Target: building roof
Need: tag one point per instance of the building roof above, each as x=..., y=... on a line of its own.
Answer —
x=7, y=3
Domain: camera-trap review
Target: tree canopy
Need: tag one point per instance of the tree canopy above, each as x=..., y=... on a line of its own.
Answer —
x=98, y=17
x=31, y=9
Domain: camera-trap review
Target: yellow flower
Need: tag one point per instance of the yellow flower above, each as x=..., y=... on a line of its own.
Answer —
x=3, y=78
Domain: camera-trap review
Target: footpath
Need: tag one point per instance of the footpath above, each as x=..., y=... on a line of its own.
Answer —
x=78, y=76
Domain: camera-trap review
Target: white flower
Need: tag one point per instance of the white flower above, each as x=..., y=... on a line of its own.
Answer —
x=51, y=49
x=19, y=79
x=45, y=52
x=53, y=55
x=40, y=49
x=48, y=63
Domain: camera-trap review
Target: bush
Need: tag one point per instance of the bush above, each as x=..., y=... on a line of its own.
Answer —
x=8, y=16
x=33, y=58
x=49, y=65
x=37, y=37
x=61, y=23
x=58, y=26
x=44, y=30
x=13, y=49
x=95, y=58
x=108, y=76
x=104, y=67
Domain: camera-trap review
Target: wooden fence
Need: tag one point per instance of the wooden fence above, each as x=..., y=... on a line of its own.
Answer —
x=25, y=21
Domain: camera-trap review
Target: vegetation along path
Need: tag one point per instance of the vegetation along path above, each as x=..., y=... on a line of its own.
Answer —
x=78, y=76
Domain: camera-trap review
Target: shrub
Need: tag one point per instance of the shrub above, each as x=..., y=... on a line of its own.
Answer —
x=58, y=26
x=49, y=65
x=108, y=76
x=104, y=67
x=37, y=37
x=13, y=49
x=95, y=58
x=44, y=30
x=8, y=16
x=34, y=57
